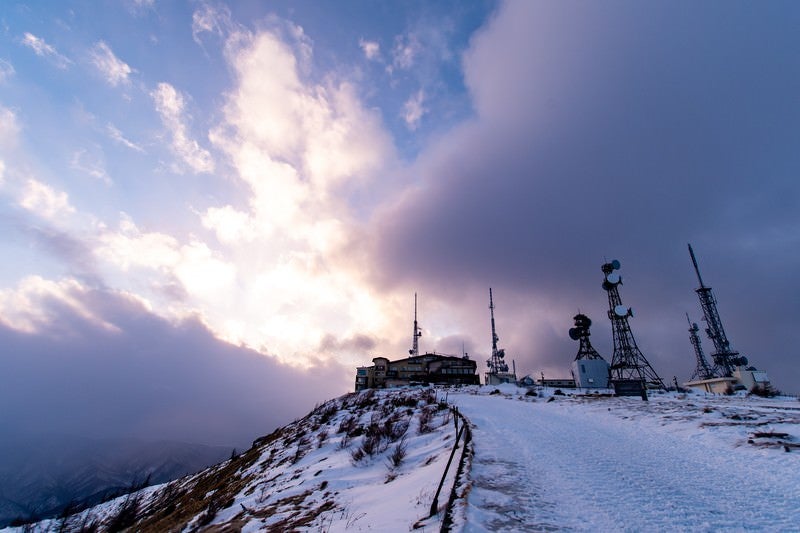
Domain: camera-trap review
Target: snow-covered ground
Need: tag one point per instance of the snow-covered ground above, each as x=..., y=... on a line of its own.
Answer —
x=675, y=463
x=680, y=462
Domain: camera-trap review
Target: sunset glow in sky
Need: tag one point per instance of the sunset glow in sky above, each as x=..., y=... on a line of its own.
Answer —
x=219, y=195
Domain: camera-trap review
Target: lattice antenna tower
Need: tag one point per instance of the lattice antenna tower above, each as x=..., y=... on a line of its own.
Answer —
x=725, y=358
x=581, y=333
x=497, y=362
x=414, y=351
x=628, y=362
x=703, y=370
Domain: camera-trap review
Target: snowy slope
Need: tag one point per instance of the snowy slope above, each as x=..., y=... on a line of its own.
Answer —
x=677, y=462
x=364, y=461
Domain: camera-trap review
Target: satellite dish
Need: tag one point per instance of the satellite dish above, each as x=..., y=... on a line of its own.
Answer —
x=613, y=278
x=615, y=264
x=630, y=311
x=607, y=286
x=621, y=311
x=574, y=334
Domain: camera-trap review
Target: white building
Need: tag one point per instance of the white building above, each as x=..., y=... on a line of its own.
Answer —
x=590, y=373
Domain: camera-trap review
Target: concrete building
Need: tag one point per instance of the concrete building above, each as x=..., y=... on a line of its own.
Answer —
x=751, y=378
x=590, y=373
x=747, y=378
x=428, y=368
x=713, y=385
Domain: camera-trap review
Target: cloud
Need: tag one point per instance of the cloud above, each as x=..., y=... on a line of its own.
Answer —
x=405, y=51
x=118, y=137
x=42, y=49
x=30, y=307
x=44, y=201
x=301, y=147
x=371, y=49
x=130, y=248
x=6, y=71
x=9, y=127
x=231, y=226
x=98, y=363
x=622, y=132
x=170, y=105
x=115, y=71
x=211, y=19
x=413, y=109
x=90, y=164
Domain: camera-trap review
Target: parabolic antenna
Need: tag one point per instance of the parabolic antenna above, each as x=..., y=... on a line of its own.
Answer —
x=613, y=278
x=615, y=264
x=630, y=311
x=607, y=286
x=621, y=311
x=574, y=334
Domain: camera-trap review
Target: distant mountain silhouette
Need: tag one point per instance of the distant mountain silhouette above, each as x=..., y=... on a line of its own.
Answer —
x=40, y=476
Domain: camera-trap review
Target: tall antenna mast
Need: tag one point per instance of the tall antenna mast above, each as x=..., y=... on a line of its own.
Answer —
x=628, y=364
x=725, y=358
x=696, y=269
x=496, y=363
x=414, y=351
x=702, y=370
x=495, y=338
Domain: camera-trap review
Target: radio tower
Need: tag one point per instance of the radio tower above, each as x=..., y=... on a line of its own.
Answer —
x=581, y=333
x=702, y=371
x=725, y=359
x=629, y=363
x=414, y=351
x=496, y=364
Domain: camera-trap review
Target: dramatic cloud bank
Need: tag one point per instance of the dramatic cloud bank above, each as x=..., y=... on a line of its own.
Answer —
x=99, y=363
x=623, y=131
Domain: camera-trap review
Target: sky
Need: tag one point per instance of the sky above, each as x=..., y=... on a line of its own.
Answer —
x=208, y=207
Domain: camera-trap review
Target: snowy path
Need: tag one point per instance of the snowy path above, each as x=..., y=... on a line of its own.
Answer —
x=565, y=465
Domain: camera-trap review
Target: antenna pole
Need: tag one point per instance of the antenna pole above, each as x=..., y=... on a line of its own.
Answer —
x=696, y=269
x=414, y=351
x=494, y=334
x=702, y=370
x=725, y=358
x=496, y=363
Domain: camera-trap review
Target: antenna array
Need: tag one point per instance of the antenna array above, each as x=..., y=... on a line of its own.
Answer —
x=496, y=363
x=629, y=363
x=581, y=333
x=725, y=358
x=702, y=370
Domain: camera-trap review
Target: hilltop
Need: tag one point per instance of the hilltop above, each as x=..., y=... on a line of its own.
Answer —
x=542, y=461
x=360, y=461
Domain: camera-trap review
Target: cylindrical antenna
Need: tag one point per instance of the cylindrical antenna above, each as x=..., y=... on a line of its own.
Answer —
x=696, y=269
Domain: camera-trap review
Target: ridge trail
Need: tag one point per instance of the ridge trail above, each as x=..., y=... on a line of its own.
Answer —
x=572, y=465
